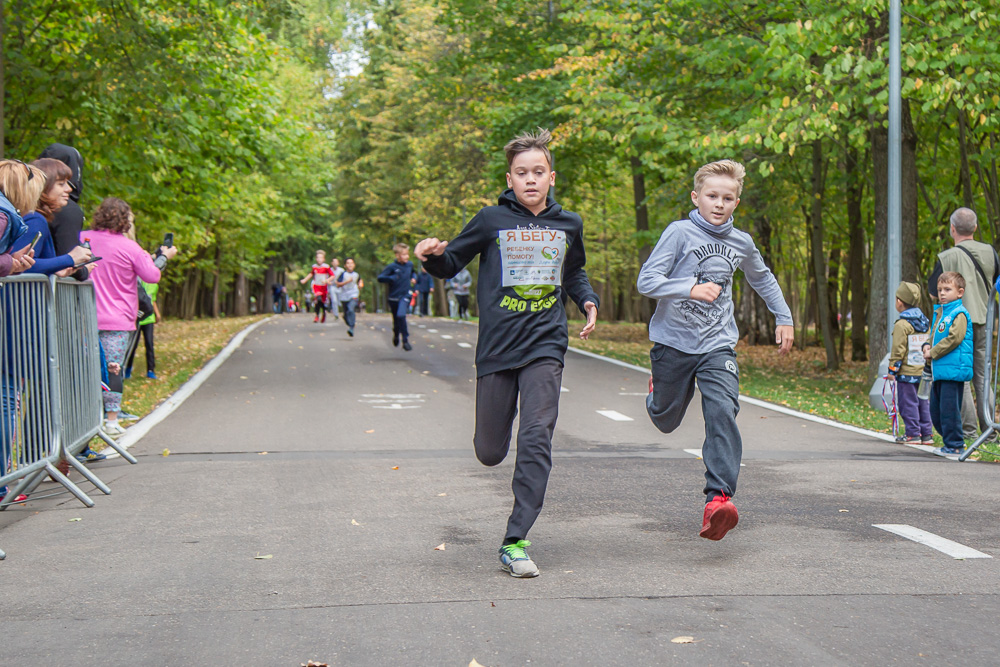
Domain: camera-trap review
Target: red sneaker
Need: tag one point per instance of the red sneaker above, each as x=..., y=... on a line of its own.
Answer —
x=324, y=318
x=720, y=517
x=650, y=384
x=316, y=319
x=19, y=499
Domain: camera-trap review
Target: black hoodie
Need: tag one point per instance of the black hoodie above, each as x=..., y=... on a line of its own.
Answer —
x=523, y=322
x=68, y=221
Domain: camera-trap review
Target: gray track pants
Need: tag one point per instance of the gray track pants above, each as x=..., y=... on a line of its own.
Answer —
x=538, y=384
x=674, y=374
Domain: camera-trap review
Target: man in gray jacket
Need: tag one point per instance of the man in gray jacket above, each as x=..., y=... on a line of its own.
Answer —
x=979, y=265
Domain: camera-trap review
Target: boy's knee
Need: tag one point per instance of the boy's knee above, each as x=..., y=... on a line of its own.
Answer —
x=490, y=458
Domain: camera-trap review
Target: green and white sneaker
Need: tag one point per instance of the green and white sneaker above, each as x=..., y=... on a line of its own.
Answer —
x=515, y=560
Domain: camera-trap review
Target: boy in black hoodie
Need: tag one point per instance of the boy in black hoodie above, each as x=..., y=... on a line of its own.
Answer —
x=530, y=254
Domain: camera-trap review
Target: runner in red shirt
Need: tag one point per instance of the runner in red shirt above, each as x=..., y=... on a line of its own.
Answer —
x=319, y=273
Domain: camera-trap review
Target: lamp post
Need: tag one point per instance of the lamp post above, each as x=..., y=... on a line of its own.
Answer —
x=895, y=179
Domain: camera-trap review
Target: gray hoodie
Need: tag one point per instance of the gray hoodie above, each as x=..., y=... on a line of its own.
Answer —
x=692, y=252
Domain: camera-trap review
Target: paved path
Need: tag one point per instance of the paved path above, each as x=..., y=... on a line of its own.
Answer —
x=347, y=461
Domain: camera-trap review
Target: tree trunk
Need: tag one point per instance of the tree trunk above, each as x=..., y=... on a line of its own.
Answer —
x=818, y=263
x=833, y=287
x=267, y=298
x=641, y=225
x=241, y=298
x=877, y=332
x=856, y=257
x=963, y=149
x=216, y=281
x=910, y=194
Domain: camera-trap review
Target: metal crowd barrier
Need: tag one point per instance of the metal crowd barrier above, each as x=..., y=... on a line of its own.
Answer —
x=988, y=402
x=50, y=383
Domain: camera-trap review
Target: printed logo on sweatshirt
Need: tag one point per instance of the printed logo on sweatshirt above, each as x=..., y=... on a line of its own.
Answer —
x=732, y=368
x=716, y=264
x=516, y=305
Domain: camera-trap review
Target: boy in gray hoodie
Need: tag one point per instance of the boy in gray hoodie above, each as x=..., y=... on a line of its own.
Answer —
x=690, y=274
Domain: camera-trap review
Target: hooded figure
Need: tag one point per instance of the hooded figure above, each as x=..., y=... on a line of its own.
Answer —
x=68, y=221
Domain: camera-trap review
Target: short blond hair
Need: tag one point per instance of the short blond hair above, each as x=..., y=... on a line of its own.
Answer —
x=23, y=192
x=400, y=247
x=729, y=168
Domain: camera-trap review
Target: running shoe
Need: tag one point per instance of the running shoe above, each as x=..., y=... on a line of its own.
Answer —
x=948, y=452
x=19, y=499
x=127, y=416
x=720, y=517
x=909, y=440
x=89, y=454
x=350, y=332
x=113, y=428
x=407, y=346
x=927, y=440
x=316, y=319
x=151, y=375
x=515, y=560
x=395, y=340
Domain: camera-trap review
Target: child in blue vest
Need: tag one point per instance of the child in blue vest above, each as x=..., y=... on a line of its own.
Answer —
x=950, y=354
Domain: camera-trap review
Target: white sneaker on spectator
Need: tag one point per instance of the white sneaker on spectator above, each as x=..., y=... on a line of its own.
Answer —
x=113, y=428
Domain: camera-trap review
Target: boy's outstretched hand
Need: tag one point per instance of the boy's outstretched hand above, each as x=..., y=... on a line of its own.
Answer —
x=784, y=336
x=432, y=246
x=591, y=309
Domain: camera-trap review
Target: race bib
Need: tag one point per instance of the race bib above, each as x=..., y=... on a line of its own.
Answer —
x=532, y=256
x=914, y=353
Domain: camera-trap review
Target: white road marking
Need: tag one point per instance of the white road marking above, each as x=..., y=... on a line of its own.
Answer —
x=446, y=336
x=392, y=395
x=432, y=331
x=396, y=406
x=464, y=345
x=633, y=393
x=945, y=546
x=697, y=454
x=615, y=416
x=422, y=326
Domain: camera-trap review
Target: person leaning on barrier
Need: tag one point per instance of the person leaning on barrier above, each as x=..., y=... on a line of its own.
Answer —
x=14, y=197
x=50, y=191
x=124, y=262
x=979, y=266
x=67, y=223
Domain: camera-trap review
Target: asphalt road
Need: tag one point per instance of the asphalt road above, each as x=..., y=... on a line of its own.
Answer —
x=347, y=461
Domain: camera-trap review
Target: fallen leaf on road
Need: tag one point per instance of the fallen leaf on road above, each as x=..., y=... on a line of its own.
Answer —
x=249, y=351
x=265, y=371
x=493, y=604
x=314, y=664
x=843, y=510
x=261, y=453
x=370, y=430
x=395, y=467
x=259, y=557
x=301, y=348
x=439, y=547
x=441, y=495
x=333, y=349
x=425, y=372
x=683, y=640
x=474, y=663
x=354, y=523
x=76, y=519
x=302, y=395
x=166, y=452
x=244, y=377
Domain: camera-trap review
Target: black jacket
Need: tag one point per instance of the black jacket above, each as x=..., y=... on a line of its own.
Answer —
x=68, y=221
x=521, y=323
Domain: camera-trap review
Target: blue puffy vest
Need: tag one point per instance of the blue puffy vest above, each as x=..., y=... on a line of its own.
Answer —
x=15, y=226
x=957, y=364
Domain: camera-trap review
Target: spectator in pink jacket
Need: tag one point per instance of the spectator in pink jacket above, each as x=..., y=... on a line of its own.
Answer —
x=123, y=262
